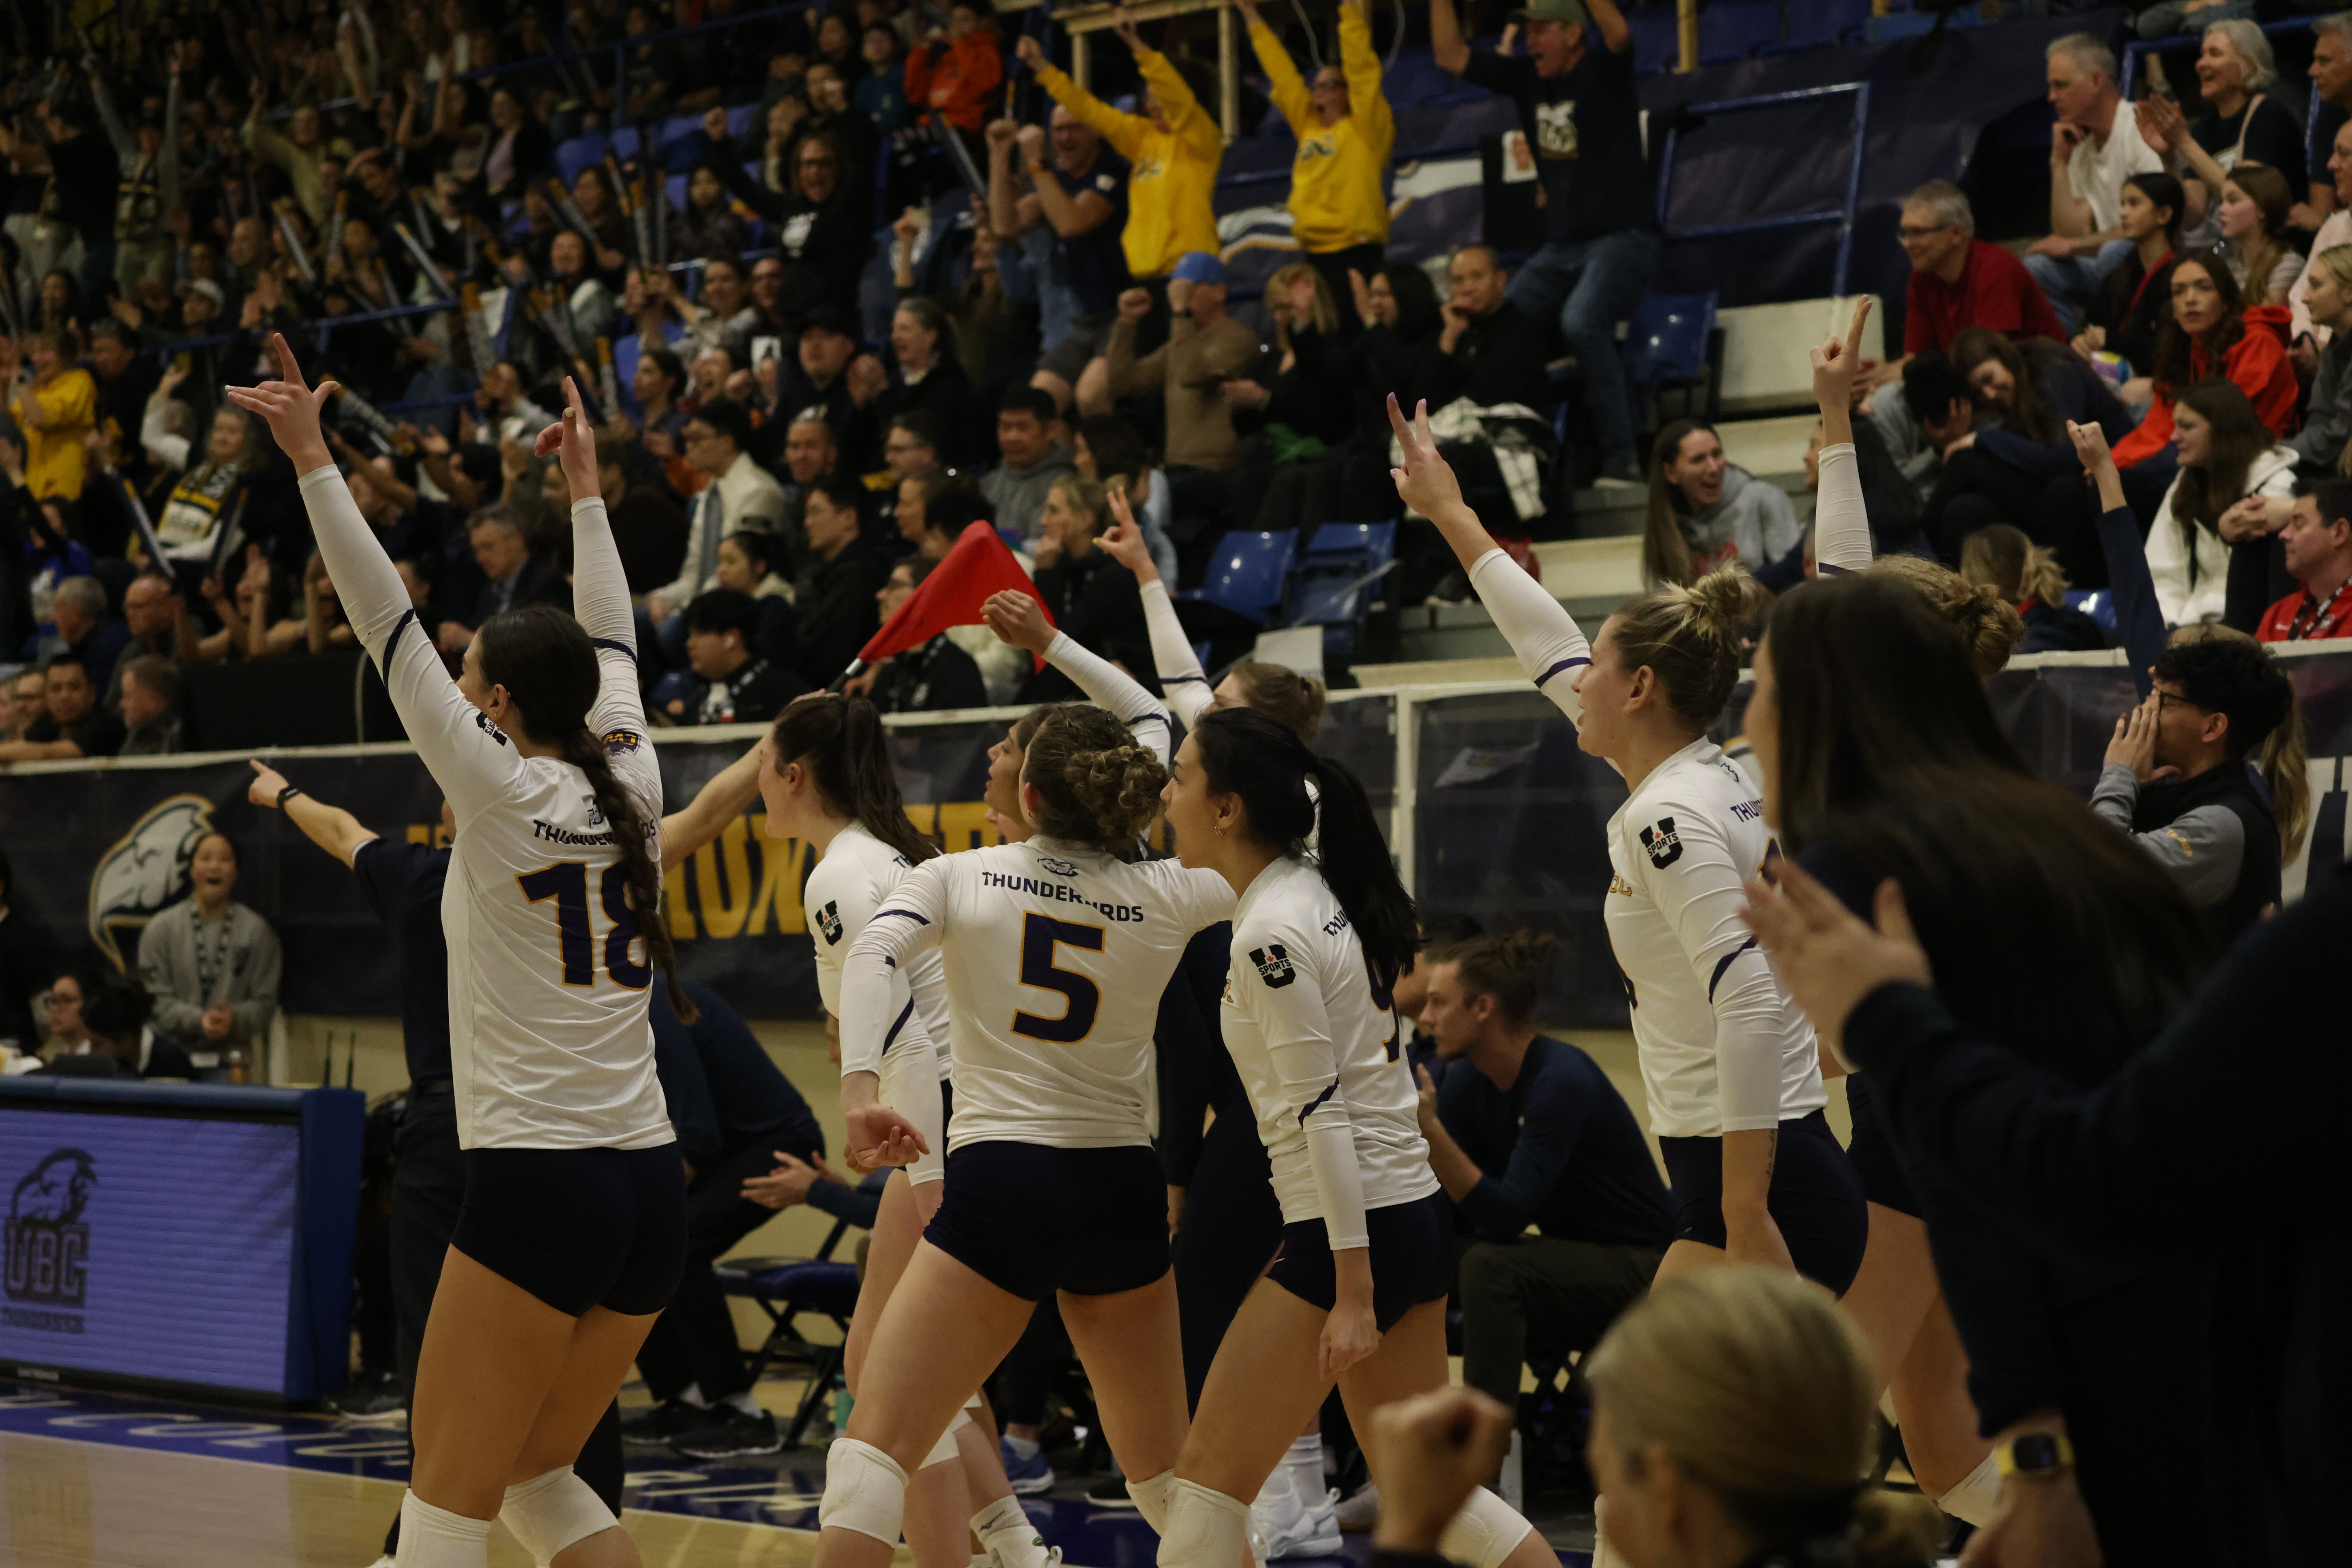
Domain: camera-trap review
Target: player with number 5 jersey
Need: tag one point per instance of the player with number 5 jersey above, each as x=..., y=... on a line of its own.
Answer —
x=573, y=1230
x=1056, y=951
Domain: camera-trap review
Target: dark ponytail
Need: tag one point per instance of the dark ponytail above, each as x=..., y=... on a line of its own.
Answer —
x=841, y=741
x=1250, y=754
x=548, y=668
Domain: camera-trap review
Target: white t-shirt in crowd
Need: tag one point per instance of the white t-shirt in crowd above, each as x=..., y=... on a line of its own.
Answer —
x=2098, y=172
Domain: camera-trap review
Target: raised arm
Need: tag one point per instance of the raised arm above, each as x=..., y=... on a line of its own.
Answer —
x=1125, y=132
x=1551, y=646
x=1019, y=619
x=331, y=827
x=1182, y=682
x=1446, y=44
x=1283, y=83
x=1840, y=521
x=2140, y=620
x=1368, y=106
x=473, y=765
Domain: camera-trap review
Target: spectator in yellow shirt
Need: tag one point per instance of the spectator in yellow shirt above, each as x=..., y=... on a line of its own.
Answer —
x=1173, y=148
x=56, y=412
x=1339, y=211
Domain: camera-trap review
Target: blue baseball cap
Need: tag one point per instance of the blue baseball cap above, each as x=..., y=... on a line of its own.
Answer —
x=1200, y=267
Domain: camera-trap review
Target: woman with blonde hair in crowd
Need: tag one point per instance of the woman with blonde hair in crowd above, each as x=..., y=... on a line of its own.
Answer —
x=1296, y=423
x=1733, y=1412
x=2027, y=576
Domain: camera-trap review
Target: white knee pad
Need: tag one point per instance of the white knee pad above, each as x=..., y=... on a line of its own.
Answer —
x=1973, y=1498
x=1485, y=1531
x=973, y=1403
x=434, y=1537
x=1205, y=1529
x=865, y=1490
x=945, y=1449
x=1152, y=1496
x=549, y=1512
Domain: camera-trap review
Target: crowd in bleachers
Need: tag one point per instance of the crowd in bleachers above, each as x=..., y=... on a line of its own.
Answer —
x=832, y=303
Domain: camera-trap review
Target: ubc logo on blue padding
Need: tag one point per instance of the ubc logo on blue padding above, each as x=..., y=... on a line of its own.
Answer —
x=47, y=1244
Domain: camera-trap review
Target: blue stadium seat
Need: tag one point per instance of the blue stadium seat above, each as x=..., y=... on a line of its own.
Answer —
x=1729, y=32
x=1657, y=46
x=1669, y=343
x=785, y=1288
x=1248, y=574
x=624, y=141
x=1339, y=578
x=577, y=154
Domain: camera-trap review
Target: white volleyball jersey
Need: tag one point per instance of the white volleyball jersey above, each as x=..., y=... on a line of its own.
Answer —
x=845, y=889
x=548, y=975
x=1723, y=1049
x=1319, y=1047
x=1056, y=955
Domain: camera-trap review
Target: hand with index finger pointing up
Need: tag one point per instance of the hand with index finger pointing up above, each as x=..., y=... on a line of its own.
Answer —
x=290, y=409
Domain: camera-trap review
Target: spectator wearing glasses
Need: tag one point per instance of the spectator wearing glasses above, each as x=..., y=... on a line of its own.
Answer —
x=931, y=678
x=2094, y=146
x=74, y=726
x=1338, y=207
x=1574, y=91
x=1958, y=280
x=820, y=225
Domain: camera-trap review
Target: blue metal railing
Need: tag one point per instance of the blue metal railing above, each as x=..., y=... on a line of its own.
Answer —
x=1843, y=216
x=2314, y=156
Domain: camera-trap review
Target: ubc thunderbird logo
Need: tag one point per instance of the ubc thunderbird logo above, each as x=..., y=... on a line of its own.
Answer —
x=146, y=870
x=47, y=1244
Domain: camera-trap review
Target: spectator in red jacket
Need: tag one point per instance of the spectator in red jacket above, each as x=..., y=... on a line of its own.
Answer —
x=2214, y=332
x=1958, y=280
x=2318, y=544
x=953, y=72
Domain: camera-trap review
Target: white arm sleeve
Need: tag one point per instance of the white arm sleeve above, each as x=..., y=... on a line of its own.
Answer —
x=473, y=763
x=1297, y=1032
x=1549, y=644
x=170, y=450
x=910, y=1082
x=1700, y=896
x=877, y=1002
x=1181, y=678
x=1108, y=686
x=1840, y=524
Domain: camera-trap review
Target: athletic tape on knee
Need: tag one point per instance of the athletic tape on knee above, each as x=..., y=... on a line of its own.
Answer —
x=1151, y=1495
x=1485, y=1531
x=434, y=1537
x=1974, y=1497
x=549, y=1512
x=942, y=1452
x=1205, y=1529
x=865, y=1490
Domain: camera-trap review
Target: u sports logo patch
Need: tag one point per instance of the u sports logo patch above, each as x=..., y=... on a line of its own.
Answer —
x=828, y=920
x=1273, y=965
x=1662, y=843
x=1556, y=129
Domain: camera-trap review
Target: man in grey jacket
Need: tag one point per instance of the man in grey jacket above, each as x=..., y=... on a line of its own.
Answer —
x=212, y=965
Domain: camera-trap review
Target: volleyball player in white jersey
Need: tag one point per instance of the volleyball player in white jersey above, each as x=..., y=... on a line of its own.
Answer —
x=1056, y=951
x=1357, y=1293
x=1730, y=1066
x=829, y=782
x=573, y=1230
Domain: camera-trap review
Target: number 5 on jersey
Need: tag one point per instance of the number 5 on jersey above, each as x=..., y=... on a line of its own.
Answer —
x=567, y=883
x=1039, y=935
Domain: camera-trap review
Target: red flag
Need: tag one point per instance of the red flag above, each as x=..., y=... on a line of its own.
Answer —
x=979, y=565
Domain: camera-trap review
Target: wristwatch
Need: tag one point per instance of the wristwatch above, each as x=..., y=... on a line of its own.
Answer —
x=289, y=793
x=2034, y=1455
